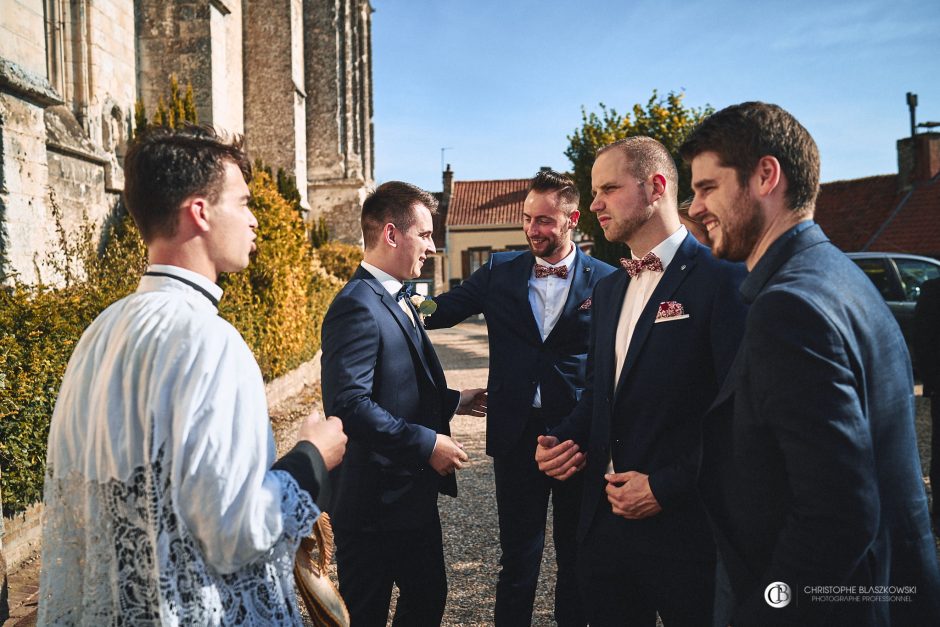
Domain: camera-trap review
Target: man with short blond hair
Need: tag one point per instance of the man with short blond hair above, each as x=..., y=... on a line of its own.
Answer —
x=664, y=332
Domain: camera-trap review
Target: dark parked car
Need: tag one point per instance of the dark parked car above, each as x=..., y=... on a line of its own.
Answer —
x=898, y=277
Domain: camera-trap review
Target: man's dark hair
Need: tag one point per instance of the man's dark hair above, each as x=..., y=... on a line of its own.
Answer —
x=548, y=181
x=744, y=133
x=392, y=202
x=164, y=167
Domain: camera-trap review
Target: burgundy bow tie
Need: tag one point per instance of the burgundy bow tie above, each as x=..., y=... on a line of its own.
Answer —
x=635, y=266
x=543, y=271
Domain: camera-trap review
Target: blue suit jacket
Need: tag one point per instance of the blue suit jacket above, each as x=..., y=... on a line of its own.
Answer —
x=815, y=480
x=389, y=389
x=650, y=420
x=519, y=359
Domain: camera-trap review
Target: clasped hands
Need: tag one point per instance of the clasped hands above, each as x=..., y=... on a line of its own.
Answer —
x=628, y=493
x=448, y=455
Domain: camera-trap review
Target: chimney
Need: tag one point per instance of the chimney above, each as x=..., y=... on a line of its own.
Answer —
x=448, y=186
x=918, y=159
x=545, y=168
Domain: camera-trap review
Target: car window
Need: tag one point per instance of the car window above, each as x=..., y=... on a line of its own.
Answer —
x=913, y=273
x=877, y=271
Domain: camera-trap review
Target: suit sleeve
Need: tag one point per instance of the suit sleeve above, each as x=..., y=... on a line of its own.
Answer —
x=350, y=353
x=460, y=303
x=805, y=392
x=673, y=483
x=305, y=464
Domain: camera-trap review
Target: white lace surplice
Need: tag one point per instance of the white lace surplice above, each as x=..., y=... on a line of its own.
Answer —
x=160, y=508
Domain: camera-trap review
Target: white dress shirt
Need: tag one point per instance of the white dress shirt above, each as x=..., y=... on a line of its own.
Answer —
x=638, y=295
x=547, y=297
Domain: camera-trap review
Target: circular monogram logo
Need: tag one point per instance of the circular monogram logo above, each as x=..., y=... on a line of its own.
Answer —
x=777, y=594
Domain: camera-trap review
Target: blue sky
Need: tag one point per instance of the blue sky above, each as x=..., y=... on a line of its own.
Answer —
x=501, y=83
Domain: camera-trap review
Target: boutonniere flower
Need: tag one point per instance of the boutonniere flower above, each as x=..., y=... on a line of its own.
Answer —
x=425, y=306
x=670, y=310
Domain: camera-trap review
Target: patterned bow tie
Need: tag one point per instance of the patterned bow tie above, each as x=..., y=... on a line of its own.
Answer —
x=404, y=292
x=543, y=271
x=635, y=266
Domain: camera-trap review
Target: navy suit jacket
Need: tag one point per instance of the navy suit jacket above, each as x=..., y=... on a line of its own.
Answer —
x=815, y=479
x=650, y=420
x=388, y=387
x=519, y=359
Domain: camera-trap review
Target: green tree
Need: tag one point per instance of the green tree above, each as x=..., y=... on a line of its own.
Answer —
x=665, y=119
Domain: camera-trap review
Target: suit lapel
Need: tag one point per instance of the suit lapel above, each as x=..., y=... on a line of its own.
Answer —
x=605, y=325
x=400, y=317
x=679, y=268
x=519, y=286
x=581, y=285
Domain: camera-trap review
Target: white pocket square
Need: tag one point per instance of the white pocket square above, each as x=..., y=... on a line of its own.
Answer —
x=682, y=317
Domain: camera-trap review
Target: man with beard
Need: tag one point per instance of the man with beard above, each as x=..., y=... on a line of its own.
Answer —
x=664, y=333
x=537, y=306
x=810, y=469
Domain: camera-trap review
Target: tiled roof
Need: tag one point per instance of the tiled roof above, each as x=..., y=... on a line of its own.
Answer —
x=487, y=202
x=853, y=212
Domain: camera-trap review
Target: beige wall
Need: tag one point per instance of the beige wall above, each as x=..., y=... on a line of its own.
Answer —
x=496, y=238
x=22, y=34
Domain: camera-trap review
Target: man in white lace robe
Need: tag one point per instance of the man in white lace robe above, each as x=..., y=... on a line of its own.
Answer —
x=163, y=501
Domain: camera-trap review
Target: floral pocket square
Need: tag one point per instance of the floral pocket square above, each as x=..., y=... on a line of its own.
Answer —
x=585, y=305
x=670, y=310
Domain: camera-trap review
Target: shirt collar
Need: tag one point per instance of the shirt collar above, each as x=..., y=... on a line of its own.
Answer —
x=668, y=248
x=567, y=261
x=389, y=282
x=193, y=277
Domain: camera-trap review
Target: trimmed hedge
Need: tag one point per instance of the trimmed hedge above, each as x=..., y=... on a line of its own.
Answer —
x=340, y=259
x=277, y=304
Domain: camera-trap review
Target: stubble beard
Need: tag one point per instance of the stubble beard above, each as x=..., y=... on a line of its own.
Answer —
x=625, y=231
x=740, y=235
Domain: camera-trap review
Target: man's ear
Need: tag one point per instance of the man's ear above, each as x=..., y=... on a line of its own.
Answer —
x=389, y=234
x=767, y=176
x=573, y=219
x=658, y=184
x=196, y=210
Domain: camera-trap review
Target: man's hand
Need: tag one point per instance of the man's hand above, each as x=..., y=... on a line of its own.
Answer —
x=559, y=461
x=327, y=435
x=630, y=495
x=448, y=455
x=472, y=402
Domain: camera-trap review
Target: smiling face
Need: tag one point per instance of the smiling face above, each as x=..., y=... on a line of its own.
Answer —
x=232, y=225
x=546, y=226
x=728, y=210
x=414, y=245
x=620, y=200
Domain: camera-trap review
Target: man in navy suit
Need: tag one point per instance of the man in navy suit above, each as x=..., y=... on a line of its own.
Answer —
x=382, y=376
x=812, y=481
x=663, y=336
x=537, y=305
